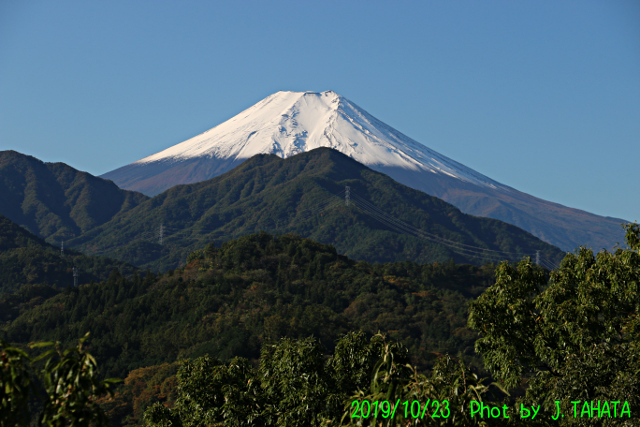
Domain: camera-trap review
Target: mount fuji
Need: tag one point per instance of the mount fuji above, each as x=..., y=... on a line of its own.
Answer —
x=289, y=123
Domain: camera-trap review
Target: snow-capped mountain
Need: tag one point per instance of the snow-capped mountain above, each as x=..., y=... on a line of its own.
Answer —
x=288, y=123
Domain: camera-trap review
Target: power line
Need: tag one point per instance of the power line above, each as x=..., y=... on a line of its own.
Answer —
x=438, y=238
x=335, y=200
x=456, y=247
x=548, y=264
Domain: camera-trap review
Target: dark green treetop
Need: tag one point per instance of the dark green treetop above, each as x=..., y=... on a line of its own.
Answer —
x=572, y=337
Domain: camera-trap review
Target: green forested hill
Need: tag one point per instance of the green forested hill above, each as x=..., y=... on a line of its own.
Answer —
x=228, y=301
x=56, y=201
x=28, y=260
x=305, y=194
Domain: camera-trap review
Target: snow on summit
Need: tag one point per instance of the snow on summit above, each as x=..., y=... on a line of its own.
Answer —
x=288, y=123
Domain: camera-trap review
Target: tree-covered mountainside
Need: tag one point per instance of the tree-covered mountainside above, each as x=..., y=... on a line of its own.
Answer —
x=56, y=201
x=572, y=336
x=364, y=382
x=565, y=344
x=228, y=301
x=305, y=194
x=27, y=260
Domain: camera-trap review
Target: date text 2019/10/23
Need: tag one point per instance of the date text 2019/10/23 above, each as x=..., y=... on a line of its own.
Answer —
x=414, y=409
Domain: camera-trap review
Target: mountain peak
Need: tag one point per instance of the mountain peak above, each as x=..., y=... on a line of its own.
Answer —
x=327, y=93
x=289, y=123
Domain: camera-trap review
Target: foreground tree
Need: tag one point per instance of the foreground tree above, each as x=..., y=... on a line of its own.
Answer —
x=570, y=337
x=58, y=388
x=296, y=385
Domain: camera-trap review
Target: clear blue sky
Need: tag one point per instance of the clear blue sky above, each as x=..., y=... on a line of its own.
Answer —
x=543, y=96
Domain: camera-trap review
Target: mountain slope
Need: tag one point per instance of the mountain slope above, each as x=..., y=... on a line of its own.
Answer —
x=56, y=201
x=228, y=301
x=289, y=123
x=26, y=259
x=286, y=124
x=304, y=194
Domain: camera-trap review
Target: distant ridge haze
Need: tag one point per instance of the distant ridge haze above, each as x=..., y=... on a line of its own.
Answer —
x=289, y=123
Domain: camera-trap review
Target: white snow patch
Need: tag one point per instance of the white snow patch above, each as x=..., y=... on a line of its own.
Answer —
x=288, y=123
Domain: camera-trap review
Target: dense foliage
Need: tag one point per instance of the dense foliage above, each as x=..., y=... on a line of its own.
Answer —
x=55, y=201
x=142, y=388
x=230, y=300
x=239, y=315
x=301, y=195
x=295, y=385
x=573, y=337
x=59, y=391
x=28, y=260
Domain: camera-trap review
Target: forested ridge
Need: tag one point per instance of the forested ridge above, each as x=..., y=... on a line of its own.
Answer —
x=303, y=320
x=305, y=194
x=228, y=301
x=565, y=344
x=55, y=201
x=27, y=260
x=255, y=314
x=231, y=300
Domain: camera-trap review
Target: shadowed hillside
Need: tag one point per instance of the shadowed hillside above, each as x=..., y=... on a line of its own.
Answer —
x=55, y=201
x=305, y=194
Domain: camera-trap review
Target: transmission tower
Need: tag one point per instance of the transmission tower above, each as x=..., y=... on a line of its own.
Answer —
x=62, y=249
x=161, y=234
x=347, y=195
x=538, y=257
x=75, y=277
